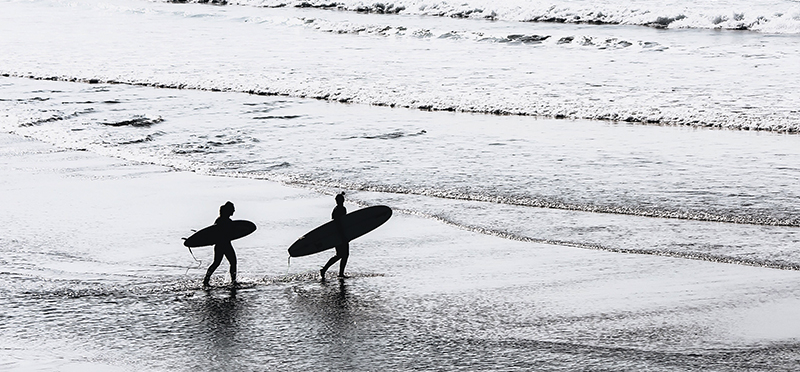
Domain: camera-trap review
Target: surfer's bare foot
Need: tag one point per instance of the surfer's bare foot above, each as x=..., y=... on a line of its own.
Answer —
x=322, y=273
x=342, y=276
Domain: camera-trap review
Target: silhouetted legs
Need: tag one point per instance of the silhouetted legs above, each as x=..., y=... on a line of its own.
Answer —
x=342, y=253
x=219, y=252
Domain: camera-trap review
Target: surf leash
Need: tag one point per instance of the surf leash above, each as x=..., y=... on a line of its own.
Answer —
x=199, y=262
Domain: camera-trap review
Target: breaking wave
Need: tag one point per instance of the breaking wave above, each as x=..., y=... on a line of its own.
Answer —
x=768, y=17
x=543, y=106
x=136, y=121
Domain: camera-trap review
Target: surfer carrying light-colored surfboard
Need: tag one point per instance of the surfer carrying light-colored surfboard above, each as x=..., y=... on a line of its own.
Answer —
x=223, y=247
x=342, y=250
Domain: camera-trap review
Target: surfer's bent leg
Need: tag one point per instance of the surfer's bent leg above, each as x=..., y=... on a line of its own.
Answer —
x=230, y=254
x=327, y=265
x=217, y=260
x=343, y=252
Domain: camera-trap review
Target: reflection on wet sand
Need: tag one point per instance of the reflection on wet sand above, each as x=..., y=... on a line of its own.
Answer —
x=341, y=319
x=222, y=319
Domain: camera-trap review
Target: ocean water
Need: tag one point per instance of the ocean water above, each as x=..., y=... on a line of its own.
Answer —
x=653, y=128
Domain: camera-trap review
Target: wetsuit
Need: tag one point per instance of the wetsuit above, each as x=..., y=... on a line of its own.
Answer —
x=342, y=250
x=222, y=248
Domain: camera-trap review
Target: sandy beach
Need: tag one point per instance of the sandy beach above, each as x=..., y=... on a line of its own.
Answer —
x=81, y=226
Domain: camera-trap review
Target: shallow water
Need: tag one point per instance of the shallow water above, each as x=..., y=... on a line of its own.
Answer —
x=374, y=321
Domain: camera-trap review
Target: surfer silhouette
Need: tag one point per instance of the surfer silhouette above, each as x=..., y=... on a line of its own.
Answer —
x=342, y=250
x=224, y=247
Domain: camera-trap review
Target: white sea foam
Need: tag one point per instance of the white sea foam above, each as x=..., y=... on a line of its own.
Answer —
x=764, y=16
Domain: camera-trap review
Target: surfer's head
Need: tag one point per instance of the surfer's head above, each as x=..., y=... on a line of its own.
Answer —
x=226, y=209
x=340, y=198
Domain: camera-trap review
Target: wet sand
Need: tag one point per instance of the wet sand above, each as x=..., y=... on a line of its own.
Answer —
x=80, y=229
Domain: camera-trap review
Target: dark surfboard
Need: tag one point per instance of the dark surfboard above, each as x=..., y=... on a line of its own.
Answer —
x=328, y=236
x=215, y=233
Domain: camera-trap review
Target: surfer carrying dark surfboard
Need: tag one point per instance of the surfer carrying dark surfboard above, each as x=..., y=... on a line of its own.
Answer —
x=223, y=247
x=342, y=250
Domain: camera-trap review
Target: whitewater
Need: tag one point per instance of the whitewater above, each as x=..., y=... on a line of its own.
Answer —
x=687, y=76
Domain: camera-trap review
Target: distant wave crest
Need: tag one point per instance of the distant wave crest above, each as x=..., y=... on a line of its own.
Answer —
x=768, y=18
